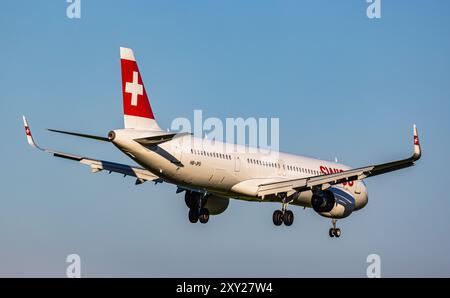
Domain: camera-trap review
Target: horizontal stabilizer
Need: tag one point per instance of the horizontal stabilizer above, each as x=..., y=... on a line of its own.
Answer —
x=98, y=138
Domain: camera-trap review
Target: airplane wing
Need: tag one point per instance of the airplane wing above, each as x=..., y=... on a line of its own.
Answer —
x=325, y=181
x=141, y=174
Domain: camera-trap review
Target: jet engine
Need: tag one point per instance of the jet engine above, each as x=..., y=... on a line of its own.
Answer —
x=323, y=201
x=216, y=205
x=333, y=203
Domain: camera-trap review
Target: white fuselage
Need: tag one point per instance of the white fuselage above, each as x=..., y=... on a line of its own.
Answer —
x=229, y=170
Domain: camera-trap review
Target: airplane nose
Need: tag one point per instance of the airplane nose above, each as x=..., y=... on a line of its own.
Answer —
x=362, y=198
x=365, y=197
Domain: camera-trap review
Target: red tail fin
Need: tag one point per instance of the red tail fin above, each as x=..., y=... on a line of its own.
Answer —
x=136, y=107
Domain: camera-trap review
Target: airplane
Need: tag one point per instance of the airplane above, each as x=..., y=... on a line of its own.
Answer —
x=210, y=173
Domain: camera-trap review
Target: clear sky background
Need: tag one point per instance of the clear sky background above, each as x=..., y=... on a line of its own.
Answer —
x=342, y=85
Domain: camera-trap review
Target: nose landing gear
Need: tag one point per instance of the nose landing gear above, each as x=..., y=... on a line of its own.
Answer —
x=334, y=232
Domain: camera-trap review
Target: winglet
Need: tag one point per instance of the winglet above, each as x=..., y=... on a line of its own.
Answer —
x=417, y=150
x=28, y=133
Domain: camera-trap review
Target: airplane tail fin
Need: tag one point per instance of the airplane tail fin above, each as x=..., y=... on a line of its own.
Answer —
x=138, y=113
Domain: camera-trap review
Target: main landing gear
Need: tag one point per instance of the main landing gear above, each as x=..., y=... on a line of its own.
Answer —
x=283, y=216
x=196, y=215
x=196, y=202
x=334, y=232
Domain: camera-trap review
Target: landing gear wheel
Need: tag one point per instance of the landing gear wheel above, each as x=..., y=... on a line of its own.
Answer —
x=193, y=215
x=337, y=233
x=204, y=215
x=331, y=232
x=334, y=232
x=277, y=217
x=288, y=217
x=188, y=199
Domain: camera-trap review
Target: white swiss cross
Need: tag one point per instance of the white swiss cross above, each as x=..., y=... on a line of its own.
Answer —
x=134, y=88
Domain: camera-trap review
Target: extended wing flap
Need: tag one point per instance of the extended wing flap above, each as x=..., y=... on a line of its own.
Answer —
x=98, y=165
x=303, y=184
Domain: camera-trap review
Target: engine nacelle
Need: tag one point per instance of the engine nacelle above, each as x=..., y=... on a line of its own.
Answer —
x=334, y=203
x=216, y=205
x=323, y=201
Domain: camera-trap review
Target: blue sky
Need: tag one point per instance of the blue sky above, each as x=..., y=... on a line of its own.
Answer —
x=342, y=85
